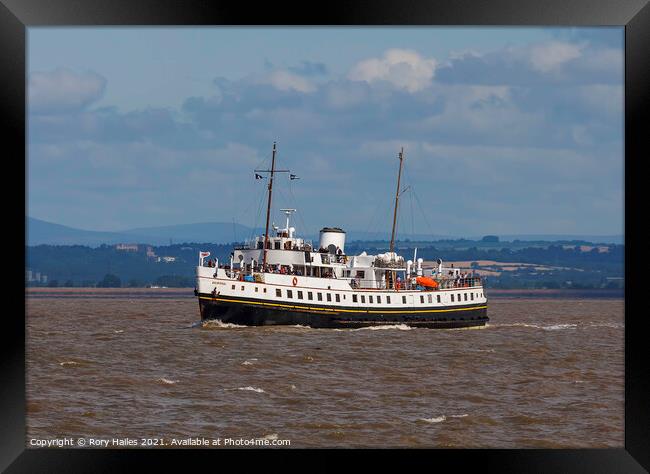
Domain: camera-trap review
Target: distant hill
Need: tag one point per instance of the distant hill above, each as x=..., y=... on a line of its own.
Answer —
x=597, y=239
x=43, y=232
x=216, y=232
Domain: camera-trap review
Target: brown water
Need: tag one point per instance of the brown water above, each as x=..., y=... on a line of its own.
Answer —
x=543, y=373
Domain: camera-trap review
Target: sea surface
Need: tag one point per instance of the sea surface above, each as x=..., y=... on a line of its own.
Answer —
x=113, y=364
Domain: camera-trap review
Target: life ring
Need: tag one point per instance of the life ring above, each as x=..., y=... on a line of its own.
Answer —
x=294, y=281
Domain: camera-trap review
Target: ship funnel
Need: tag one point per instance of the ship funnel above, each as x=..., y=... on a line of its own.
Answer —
x=332, y=236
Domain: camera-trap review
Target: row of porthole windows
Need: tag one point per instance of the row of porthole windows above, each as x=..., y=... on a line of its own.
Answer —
x=310, y=295
x=319, y=296
x=463, y=296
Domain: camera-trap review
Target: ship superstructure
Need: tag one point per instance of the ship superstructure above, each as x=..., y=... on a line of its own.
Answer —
x=280, y=278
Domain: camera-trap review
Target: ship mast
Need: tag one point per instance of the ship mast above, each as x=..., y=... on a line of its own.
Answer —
x=268, y=210
x=399, y=176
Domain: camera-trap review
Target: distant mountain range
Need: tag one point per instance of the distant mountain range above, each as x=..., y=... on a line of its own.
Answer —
x=43, y=232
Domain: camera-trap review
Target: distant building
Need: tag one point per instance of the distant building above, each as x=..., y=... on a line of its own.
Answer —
x=150, y=252
x=127, y=247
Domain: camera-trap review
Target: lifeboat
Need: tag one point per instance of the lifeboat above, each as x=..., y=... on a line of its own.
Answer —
x=427, y=282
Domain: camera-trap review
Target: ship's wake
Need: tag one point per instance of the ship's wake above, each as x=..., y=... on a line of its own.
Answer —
x=218, y=324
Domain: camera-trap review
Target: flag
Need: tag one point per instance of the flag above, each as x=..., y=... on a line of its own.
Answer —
x=204, y=254
x=258, y=176
x=293, y=176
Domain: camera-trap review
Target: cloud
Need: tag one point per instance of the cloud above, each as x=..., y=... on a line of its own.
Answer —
x=507, y=133
x=404, y=69
x=538, y=64
x=549, y=57
x=63, y=90
x=284, y=81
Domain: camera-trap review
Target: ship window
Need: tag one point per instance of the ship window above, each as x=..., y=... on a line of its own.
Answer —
x=460, y=297
x=289, y=294
x=363, y=298
x=329, y=297
x=233, y=287
x=264, y=290
x=422, y=299
x=310, y=295
x=465, y=296
x=278, y=292
x=388, y=299
x=354, y=298
x=430, y=298
x=256, y=289
x=471, y=295
x=320, y=296
x=438, y=296
x=452, y=298
x=338, y=298
x=242, y=287
x=370, y=299
x=378, y=299
x=346, y=273
x=361, y=274
x=403, y=299
x=277, y=245
x=300, y=295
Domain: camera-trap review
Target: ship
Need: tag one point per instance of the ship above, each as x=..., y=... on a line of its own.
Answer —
x=279, y=278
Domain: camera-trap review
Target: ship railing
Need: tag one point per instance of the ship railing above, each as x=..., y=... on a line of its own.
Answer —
x=447, y=283
x=304, y=246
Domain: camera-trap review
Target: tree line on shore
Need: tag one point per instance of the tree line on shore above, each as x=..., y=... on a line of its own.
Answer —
x=107, y=266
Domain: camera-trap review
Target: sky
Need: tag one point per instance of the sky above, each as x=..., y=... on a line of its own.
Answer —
x=504, y=130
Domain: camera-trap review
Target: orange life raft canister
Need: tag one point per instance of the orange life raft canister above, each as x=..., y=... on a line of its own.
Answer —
x=427, y=282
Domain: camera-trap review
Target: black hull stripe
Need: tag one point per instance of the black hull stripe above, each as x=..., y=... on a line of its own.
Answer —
x=259, y=315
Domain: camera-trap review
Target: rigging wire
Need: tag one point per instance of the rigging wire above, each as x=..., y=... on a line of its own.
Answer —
x=298, y=211
x=381, y=204
x=258, y=214
x=264, y=160
x=417, y=200
x=412, y=215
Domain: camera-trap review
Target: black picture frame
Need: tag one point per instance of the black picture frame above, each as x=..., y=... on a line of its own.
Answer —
x=634, y=15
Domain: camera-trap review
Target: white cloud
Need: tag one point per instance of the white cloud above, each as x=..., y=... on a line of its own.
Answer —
x=549, y=57
x=405, y=69
x=284, y=80
x=64, y=90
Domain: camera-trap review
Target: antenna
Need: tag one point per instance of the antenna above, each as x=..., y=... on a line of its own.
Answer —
x=288, y=213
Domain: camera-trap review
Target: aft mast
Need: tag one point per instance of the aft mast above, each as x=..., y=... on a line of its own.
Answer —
x=399, y=176
x=392, y=274
x=268, y=210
